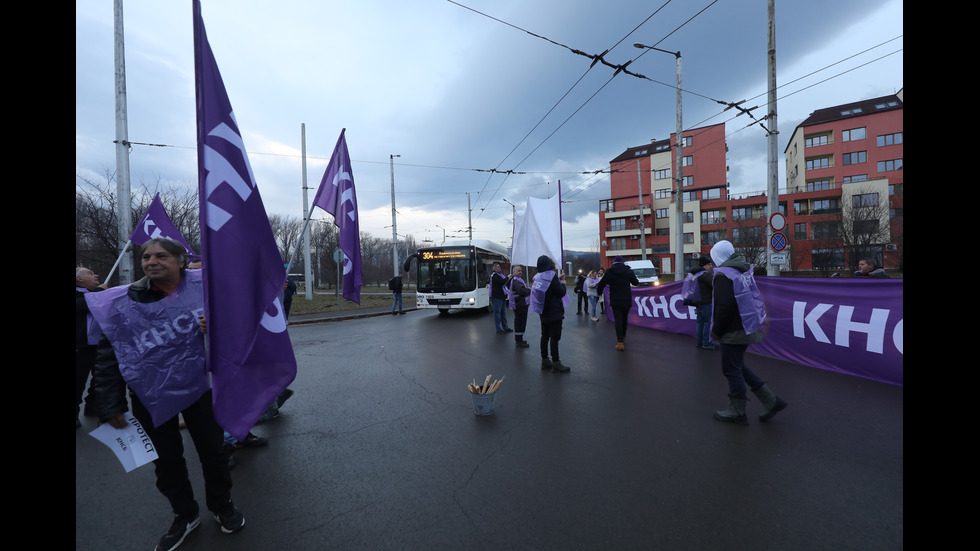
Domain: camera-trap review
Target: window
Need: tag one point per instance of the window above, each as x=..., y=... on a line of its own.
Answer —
x=661, y=213
x=864, y=200
x=617, y=224
x=817, y=162
x=824, y=206
x=709, y=238
x=607, y=206
x=825, y=230
x=688, y=217
x=749, y=235
x=799, y=230
x=688, y=238
x=661, y=174
x=688, y=141
x=689, y=196
x=687, y=160
x=812, y=141
x=890, y=139
x=713, y=193
x=888, y=166
x=854, y=134
x=855, y=157
x=819, y=185
x=827, y=259
x=865, y=227
x=688, y=181
x=617, y=244
x=855, y=178
x=712, y=217
x=661, y=194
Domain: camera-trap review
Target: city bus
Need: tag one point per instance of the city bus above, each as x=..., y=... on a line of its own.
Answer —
x=456, y=275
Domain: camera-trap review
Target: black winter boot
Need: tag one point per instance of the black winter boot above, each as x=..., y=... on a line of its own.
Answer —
x=735, y=412
x=773, y=404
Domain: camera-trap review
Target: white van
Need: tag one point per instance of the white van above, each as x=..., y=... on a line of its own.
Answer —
x=645, y=271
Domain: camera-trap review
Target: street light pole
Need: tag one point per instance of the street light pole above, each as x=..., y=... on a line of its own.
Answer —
x=443, y=233
x=394, y=232
x=679, y=180
x=513, y=220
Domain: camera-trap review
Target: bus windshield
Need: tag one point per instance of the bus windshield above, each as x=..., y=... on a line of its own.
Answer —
x=448, y=269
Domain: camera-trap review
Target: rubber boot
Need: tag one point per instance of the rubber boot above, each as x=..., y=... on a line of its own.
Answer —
x=557, y=367
x=735, y=412
x=546, y=364
x=771, y=403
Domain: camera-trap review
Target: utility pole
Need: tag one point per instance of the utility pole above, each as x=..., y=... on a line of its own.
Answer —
x=773, y=165
x=124, y=205
x=394, y=233
x=643, y=223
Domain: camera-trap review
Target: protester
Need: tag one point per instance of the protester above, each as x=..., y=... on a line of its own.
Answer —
x=548, y=294
x=737, y=323
x=86, y=281
x=867, y=268
x=590, y=290
x=619, y=278
x=395, y=285
x=517, y=294
x=702, y=273
x=580, y=295
x=164, y=380
x=498, y=300
x=288, y=290
x=602, y=299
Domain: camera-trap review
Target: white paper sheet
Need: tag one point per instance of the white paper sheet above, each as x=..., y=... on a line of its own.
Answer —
x=131, y=444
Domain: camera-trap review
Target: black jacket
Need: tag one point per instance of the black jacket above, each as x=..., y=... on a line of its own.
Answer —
x=704, y=285
x=619, y=278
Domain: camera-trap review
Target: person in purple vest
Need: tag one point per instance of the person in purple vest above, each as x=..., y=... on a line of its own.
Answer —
x=86, y=281
x=517, y=298
x=702, y=272
x=165, y=371
x=734, y=307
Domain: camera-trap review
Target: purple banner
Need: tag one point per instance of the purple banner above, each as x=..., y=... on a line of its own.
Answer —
x=156, y=223
x=249, y=352
x=849, y=325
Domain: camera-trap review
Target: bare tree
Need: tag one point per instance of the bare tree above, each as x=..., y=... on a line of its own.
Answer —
x=864, y=225
x=96, y=221
x=286, y=230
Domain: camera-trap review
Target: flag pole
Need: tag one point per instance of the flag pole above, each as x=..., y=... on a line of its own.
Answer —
x=116, y=265
x=302, y=234
x=561, y=234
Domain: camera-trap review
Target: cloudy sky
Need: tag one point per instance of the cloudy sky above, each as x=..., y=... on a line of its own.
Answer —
x=460, y=87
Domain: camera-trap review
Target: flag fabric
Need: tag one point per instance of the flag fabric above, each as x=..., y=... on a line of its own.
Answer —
x=156, y=223
x=249, y=353
x=537, y=231
x=336, y=196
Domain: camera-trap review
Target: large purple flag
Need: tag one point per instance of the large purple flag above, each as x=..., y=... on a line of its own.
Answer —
x=336, y=196
x=849, y=325
x=250, y=355
x=156, y=223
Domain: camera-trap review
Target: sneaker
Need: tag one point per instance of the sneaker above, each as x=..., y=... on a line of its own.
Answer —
x=269, y=415
x=230, y=518
x=508, y=330
x=285, y=395
x=183, y=524
x=252, y=441
x=708, y=346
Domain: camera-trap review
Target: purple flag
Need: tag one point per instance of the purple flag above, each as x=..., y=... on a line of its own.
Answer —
x=853, y=326
x=336, y=196
x=250, y=355
x=156, y=223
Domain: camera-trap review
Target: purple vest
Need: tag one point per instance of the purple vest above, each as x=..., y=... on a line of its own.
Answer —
x=751, y=307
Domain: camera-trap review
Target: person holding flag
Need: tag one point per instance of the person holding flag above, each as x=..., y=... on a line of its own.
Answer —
x=152, y=344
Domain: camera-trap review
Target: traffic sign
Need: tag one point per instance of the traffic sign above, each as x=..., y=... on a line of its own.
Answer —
x=777, y=221
x=777, y=258
x=778, y=241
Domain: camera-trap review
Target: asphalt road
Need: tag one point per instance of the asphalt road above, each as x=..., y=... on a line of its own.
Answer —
x=380, y=449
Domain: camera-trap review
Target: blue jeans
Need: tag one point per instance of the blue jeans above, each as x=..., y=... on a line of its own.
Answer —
x=703, y=337
x=593, y=305
x=499, y=306
x=396, y=306
x=734, y=369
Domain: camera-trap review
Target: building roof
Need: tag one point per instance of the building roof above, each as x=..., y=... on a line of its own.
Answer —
x=856, y=109
x=642, y=151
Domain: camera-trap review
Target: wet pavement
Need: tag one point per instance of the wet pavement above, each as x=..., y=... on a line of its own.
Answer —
x=380, y=449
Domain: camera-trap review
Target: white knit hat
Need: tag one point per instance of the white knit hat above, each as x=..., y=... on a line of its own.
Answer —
x=721, y=252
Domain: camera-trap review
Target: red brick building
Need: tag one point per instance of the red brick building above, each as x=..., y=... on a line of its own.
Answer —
x=842, y=200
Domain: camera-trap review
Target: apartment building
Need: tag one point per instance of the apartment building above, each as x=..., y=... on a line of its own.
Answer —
x=842, y=200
